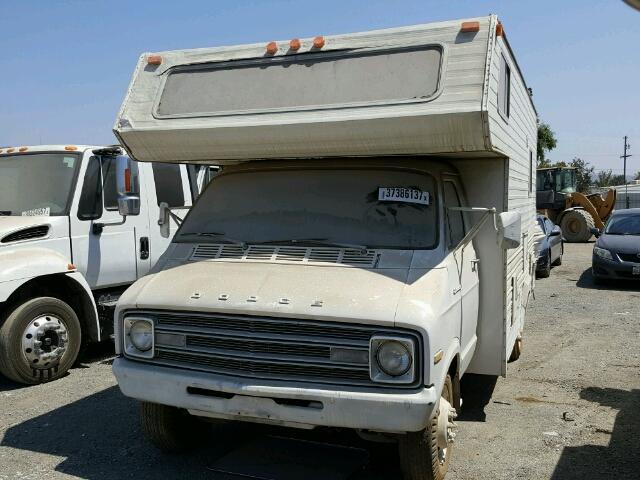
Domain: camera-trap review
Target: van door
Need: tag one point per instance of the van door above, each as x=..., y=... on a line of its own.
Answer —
x=167, y=183
x=466, y=264
x=105, y=249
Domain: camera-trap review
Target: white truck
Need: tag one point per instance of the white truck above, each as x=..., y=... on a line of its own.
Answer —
x=66, y=253
x=367, y=242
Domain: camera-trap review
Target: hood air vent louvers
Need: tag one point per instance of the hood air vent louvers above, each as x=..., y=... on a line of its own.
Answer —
x=27, y=234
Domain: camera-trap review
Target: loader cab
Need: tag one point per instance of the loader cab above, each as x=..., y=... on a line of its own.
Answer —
x=552, y=184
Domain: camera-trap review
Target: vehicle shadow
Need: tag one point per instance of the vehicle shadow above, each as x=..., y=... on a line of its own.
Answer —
x=586, y=280
x=99, y=438
x=621, y=458
x=476, y=391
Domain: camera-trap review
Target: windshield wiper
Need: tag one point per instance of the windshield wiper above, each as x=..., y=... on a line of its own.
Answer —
x=220, y=235
x=312, y=241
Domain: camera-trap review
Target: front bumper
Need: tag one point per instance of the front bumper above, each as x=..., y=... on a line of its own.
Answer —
x=613, y=269
x=268, y=402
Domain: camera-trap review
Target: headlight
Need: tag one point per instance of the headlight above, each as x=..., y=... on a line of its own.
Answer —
x=602, y=253
x=138, y=337
x=392, y=359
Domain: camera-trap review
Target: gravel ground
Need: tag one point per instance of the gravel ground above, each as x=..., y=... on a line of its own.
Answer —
x=570, y=408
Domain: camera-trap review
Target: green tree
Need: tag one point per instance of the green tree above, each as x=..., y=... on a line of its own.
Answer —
x=584, y=174
x=546, y=142
x=603, y=179
x=637, y=177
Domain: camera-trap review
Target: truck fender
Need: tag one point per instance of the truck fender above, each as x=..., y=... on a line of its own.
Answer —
x=40, y=271
x=449, y=364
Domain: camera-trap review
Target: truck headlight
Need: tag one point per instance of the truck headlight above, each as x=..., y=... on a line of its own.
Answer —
x=138, y=337
x=391, y=359
x=602, y=253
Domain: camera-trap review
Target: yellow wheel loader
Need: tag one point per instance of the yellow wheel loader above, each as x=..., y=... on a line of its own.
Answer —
x=575, y=212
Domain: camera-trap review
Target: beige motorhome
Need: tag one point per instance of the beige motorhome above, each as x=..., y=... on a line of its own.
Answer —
x=367, y=242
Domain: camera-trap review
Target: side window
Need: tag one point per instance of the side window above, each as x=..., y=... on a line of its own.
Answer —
x=109, y=182
x=90, y=205
x=504, y=88
x=168, y=181
x=455, y=220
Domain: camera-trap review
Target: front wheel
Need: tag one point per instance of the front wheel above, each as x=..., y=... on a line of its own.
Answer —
x=171, y=429
x=425, y=455
x=39, y=341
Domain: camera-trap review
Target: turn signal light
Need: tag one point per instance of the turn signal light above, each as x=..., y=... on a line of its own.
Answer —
x=127, y=180
x=318, y=42
x=154, y=60
x=272, y=48
x=71, y=147
x=499, y=30
x=71, y=266
x=295, y=44
x=470, y=27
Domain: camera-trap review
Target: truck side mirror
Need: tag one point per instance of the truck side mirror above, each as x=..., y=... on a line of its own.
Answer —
x=128, y=182
x=164, y=221
x=510, y=229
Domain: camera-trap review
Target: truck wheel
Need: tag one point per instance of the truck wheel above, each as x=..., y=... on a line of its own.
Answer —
x=576, y=226
x=425, y=455
x=39, y=341
x=171, y=429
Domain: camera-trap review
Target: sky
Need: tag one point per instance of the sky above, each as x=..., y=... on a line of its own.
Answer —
x=65, y=65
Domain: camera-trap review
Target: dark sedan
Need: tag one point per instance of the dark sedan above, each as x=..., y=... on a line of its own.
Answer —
x=616, y=254
x=548, y=245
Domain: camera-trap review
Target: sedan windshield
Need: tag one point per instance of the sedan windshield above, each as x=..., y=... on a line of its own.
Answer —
x=37, y=184
x=376, y=208
x=624, y=225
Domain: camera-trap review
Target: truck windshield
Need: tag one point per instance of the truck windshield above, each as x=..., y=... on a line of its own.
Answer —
x=37, y=184
x=376, y=208
x=566, y=181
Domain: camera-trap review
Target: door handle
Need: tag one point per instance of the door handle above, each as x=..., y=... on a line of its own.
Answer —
x=144, y=248
x=457, y=290
x=474, y=264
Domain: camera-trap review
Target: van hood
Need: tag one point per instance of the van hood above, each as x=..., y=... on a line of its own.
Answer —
x=15, y=228
x=301, y=291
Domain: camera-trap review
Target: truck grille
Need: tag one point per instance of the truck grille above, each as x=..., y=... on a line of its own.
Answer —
x=267, y=347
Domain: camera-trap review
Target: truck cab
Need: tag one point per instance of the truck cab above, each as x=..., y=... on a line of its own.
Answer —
x=66, y=253
x=368, y=241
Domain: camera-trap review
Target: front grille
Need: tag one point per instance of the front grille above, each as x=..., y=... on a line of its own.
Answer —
x=629, y=257
x=271, y=348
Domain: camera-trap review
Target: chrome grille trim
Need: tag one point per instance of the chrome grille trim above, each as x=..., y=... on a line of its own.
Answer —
x=271, y=348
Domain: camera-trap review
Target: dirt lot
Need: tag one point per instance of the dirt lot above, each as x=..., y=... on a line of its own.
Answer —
x=570, y=408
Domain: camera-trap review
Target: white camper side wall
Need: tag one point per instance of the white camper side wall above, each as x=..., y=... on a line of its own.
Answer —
x=516, y=136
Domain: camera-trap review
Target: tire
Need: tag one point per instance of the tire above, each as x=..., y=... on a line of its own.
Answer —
x=48, y=321
x=576, y=226
x=558, y=261
x=545, y=271
x=419, y=452
x=171, y=429
x=517, y=350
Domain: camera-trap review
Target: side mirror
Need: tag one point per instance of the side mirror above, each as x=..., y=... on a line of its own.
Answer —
x=596, y=232
x=555, y=232
x=128, y=182
x=510, y=229
x=164, y=221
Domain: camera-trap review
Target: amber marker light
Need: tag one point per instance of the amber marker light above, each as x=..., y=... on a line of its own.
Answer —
x=468, y=27
x=154, y=60
x=294, y=45
x=71, y=266
x=23, y=149
x=272, y=48
x=499, y=30
x=11, y=150
x=318, y=42
x=70, y=148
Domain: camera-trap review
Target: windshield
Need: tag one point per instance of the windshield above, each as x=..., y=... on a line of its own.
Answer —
x=328, y=206
x=566, y=181
x=624, y=225
x=37, y=184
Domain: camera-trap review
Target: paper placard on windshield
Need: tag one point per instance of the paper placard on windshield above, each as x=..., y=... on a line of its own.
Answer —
x=37, y=212
x=403, y=194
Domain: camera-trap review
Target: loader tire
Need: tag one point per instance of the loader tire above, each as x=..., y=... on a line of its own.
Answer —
x=171, y=429
x=576, y=226
x=420, y=456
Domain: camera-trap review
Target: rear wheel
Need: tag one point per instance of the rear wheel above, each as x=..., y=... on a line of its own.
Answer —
x=425, y=455
x=172, y=429
x=576, y=225
x=39, y=341
x=558, y=261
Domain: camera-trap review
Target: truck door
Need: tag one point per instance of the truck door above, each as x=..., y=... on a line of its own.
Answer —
x=466, y=264
x=168, y=183
x=105, y=249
